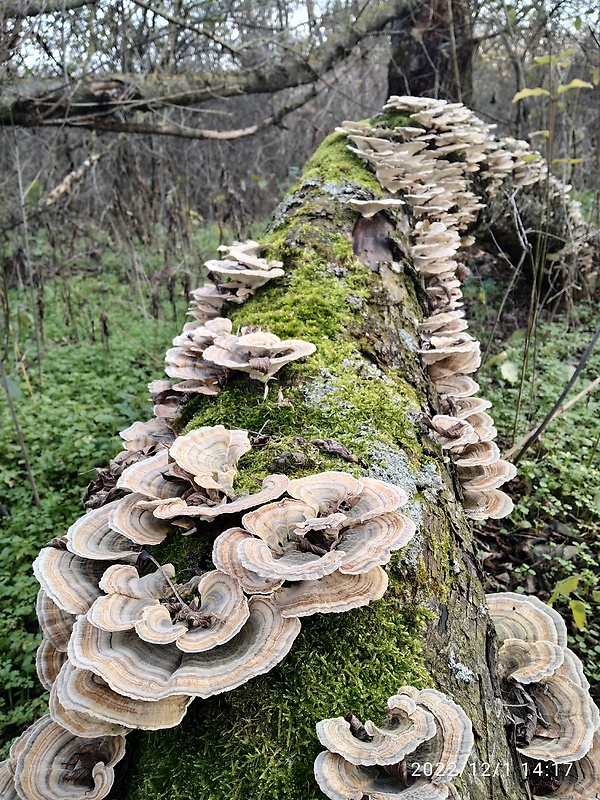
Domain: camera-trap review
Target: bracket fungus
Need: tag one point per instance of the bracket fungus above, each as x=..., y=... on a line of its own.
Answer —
x=145, y=671
x=334, y=523
x=202, y=614
x=546, y=696
x=53, y=763
x=82, y=692
x=259, y=353
x=519, y=616
x=242, y=268
x=386, y=762
x=332, y=594
x=204, y=461
x=92, y=536
x=210, y=455
x=69, y=580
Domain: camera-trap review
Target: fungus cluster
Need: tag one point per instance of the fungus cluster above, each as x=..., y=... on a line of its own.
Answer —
x=430, y=165
x=555, y=723
x=205, y=354
x=128, y=648
x=423, y=743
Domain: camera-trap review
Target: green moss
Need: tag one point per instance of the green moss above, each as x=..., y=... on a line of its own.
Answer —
x=259, y=741
x=333, y=161
x=394, y=119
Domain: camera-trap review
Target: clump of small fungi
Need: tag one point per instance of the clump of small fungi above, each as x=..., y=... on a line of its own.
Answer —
x=548, y=707
x=428, y=167
x=423, y=743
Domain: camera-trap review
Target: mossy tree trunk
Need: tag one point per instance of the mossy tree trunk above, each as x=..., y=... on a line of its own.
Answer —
x=365, y=388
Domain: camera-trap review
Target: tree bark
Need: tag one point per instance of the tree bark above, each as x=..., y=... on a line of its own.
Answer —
x=432, y=52
x=364, y=388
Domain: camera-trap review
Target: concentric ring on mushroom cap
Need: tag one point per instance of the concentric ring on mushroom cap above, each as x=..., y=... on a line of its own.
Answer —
x=48, y=663
x=82, y=691
x=452, y=744
x=273, y=486
x=82, y=723
x=517, y=616
x=332, y=594
x=145, y=434
x=223, y=604
x=144, y=671
x=69, y=580
x=341, y=780
x=413, y=726
x=487, y=504
x=51, y=757
x=7, y=782
x=477, y=454
x=211, y=454
x=582, y=781
x=224, y=557
x=91, y=536
x=56, y=624
x=572, y=668
x=528, y=662
x=146, y=477
x=135, y=523
x=568, y=730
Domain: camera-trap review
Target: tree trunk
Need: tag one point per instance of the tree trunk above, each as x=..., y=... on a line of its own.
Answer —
x=364, y=388
x=432, y=52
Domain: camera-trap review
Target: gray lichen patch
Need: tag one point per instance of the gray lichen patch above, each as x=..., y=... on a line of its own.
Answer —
x=461, y=671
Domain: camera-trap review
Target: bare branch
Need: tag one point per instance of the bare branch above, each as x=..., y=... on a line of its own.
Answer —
x=184, y=131
x=91, y=99
x=21, y=10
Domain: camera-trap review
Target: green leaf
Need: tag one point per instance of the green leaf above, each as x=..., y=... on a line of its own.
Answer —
x=539, y=60
x=576, y=83
x=567, y=585
x=537, y=92
x=564, y=588
x=509, y=371
x=596, y=596
x=577, y=23
x=545, y=134
x=567, y=160
x=578, y=610
x=530, y=157
x=497, y=359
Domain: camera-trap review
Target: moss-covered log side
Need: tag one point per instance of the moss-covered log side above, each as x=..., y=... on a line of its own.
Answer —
x=365, y=389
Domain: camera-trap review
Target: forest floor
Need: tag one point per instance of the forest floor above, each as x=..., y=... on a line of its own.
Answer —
x=104, y=335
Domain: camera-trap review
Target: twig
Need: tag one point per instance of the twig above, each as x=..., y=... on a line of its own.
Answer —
x=13, y=413
x=116, y=324
x=556, y=409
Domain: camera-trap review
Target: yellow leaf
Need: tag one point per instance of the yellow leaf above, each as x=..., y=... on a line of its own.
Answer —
x=567, y=160
x=509, y=371
x=567, y=585
x=576, y=83
x=545, y=134
x=578, y=611
x=530, y=157
x=537, y=92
